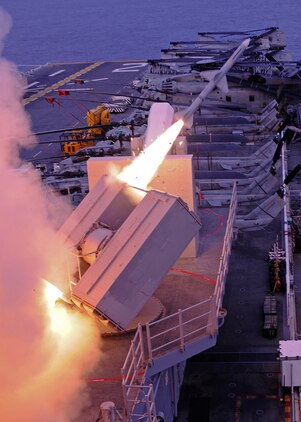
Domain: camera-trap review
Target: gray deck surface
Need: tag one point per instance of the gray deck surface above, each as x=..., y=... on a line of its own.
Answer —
x=237, y=380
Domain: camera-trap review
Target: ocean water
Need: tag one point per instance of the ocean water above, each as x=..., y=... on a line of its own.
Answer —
x=54, y=31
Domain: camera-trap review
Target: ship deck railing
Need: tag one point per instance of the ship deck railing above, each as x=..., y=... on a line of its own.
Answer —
x=171, y=338
x=174, y=331
x=225, y=255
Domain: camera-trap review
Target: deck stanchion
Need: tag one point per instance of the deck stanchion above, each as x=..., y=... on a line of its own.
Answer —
x=181, y=328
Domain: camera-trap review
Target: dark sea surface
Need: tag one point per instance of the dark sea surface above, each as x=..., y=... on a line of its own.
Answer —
x=54, y=31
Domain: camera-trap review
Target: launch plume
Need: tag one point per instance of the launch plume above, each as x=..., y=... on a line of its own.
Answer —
x=141, y=171
x=41, y=365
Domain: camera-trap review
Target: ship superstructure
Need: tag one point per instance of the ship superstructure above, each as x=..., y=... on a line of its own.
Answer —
x=153, y=262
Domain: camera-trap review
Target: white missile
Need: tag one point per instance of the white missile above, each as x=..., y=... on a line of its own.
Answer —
x=217, y=79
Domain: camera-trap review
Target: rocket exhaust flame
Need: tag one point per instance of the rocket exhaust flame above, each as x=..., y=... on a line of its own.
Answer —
x=52, y=293
x=141, y=171
x=59, y=319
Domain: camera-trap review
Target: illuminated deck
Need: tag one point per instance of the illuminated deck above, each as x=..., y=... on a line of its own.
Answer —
x=195, y=284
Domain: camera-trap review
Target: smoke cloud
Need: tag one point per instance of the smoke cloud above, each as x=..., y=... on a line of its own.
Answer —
x=45, y=351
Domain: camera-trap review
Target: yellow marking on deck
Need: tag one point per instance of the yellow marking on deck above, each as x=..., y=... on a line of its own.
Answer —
x=238, y=409
x=287, y=408
x=267, y=397
x=60, y=83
